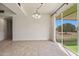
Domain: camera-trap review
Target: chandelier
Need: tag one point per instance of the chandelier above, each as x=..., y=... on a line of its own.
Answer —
x=36, y=14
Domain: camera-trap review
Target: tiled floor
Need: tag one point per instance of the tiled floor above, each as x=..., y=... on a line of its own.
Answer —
x=30, y=48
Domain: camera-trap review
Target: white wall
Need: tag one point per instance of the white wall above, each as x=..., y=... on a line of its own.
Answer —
x=26, y=28
x=2, y=28
x=52, y=29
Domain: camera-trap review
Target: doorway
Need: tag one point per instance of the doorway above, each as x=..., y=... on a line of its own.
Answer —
x=8, y=31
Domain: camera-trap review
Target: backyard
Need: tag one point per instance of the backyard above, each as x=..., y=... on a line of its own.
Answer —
x=66, y=28
x=69, y=34
x=69, y=41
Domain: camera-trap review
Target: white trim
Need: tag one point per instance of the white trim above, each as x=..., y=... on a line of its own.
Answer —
x=26, y=39
x=78, y=28
x=54, y=28
x=62, y=28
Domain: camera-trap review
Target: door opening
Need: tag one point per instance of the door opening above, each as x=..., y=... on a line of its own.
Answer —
x=8, y=32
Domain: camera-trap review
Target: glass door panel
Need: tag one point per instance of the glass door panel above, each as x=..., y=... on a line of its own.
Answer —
x=70, y=33
x=58, y=30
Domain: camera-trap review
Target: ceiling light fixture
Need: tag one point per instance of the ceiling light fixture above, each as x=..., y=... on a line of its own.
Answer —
x=36, y=14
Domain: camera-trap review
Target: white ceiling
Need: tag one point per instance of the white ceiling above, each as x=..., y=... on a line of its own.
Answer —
x=47, y=8
x=7, y=11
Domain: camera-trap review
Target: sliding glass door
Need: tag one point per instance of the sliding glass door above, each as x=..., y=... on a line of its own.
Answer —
x=70, y=32
x=66, y=32
x=59, y=33
x=66, y=28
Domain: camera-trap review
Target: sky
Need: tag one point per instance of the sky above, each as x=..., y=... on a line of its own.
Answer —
x=58, y=22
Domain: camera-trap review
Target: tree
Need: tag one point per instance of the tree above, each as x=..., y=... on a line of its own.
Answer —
x=67, y=28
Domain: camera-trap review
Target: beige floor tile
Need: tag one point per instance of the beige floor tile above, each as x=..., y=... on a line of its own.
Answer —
x=30, y=48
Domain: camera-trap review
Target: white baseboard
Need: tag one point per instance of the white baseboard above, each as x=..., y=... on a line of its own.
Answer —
x=29, y=39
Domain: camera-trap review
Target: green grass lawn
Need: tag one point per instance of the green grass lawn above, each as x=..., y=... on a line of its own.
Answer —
x=72, y=48
x=71, y=45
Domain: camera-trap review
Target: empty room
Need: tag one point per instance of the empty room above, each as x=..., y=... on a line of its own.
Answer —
x=39, y=29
